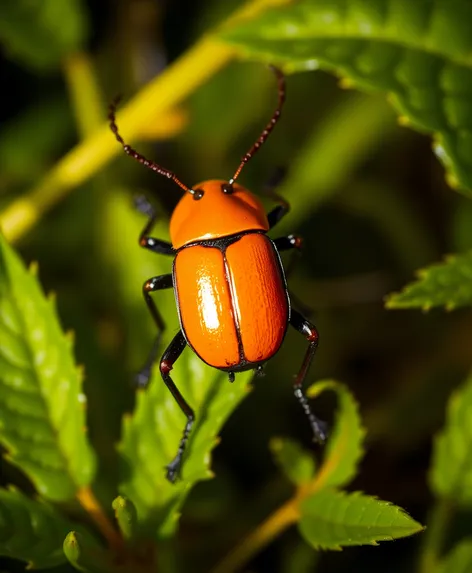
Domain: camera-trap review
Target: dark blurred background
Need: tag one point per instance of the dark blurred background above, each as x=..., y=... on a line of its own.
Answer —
x=369, y=198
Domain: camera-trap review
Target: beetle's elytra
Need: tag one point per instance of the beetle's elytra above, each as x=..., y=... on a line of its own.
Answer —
x=229, y=283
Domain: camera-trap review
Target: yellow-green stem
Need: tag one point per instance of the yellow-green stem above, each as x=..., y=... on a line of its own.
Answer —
x=192, y=69
x=434, y=537
x=280, y=520
x=84, y=93
x=89, y=502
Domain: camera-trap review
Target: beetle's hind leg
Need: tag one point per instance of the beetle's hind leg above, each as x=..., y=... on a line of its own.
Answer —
x=293, y=243
x=168, y=360
x=311, y=334
x=151, y=285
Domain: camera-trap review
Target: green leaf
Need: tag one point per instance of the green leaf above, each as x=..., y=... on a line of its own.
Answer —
x=459, y=560
x=42, y=409
x=85, y=554
x=294, y=461
x=151, y=437
x=416, y=52
x=446, y=284
x=332, y=519
x=344, y=448
x=39, y=33
x=152, y=433
x=126, y=516
x=31, y=530
x=451, y=469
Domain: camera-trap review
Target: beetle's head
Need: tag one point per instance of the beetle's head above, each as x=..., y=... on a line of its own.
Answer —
x=215, y=209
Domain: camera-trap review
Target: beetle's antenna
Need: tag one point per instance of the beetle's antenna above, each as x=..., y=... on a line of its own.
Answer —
x=135, y=155
x=269, y=127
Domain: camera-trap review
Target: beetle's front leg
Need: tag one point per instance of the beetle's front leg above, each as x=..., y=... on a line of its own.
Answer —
x=283, y=206
x=168, y=360
x=147, y=242
x=152, y=285
x=311, y=334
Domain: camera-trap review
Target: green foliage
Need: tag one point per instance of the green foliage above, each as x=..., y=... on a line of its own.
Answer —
x=42, y=408
x=459, y=560
x=446, y=284
x=418, y=53
x=344, y=448
x=39, y=33
x=295, y=462
x=332, y=519
x=451, y=471
x=31, y=530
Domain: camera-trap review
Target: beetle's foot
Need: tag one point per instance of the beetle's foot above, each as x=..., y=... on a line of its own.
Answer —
x=142, y=378
x=259, y=371
x=144, y=206
x=320, y=429
x=173, y=469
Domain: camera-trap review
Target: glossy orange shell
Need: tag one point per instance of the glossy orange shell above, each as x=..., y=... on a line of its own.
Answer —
x=233, y=303
x=216, y=214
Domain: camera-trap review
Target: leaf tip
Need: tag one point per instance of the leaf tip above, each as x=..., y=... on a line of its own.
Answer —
x=70, y=337
x=33, y=268
x=346, y=84
x=389, y=301
x=452, y=181
x=71, y=546
x=275, y=444
x=126, y=516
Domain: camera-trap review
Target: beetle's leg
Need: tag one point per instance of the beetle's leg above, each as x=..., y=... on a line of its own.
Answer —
x=285, y=244
x=311, y=334
x=289, y=242
x=283, y=207
x=147, y=242
x=151, y=285
x=168, y=360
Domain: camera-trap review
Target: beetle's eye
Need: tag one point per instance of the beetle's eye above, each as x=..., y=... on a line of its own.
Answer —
x=198, y=194
x=227, y=188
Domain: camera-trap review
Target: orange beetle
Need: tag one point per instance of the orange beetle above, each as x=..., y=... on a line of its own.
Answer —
x=228, y=280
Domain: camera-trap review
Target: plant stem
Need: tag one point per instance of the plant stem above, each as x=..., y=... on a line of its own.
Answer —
x=84, y=93
x=179, y=80
x=285, y=516
x=89, y=502
x=434, y=537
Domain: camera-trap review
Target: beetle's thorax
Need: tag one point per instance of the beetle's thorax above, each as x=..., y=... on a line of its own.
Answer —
x=216, y=214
